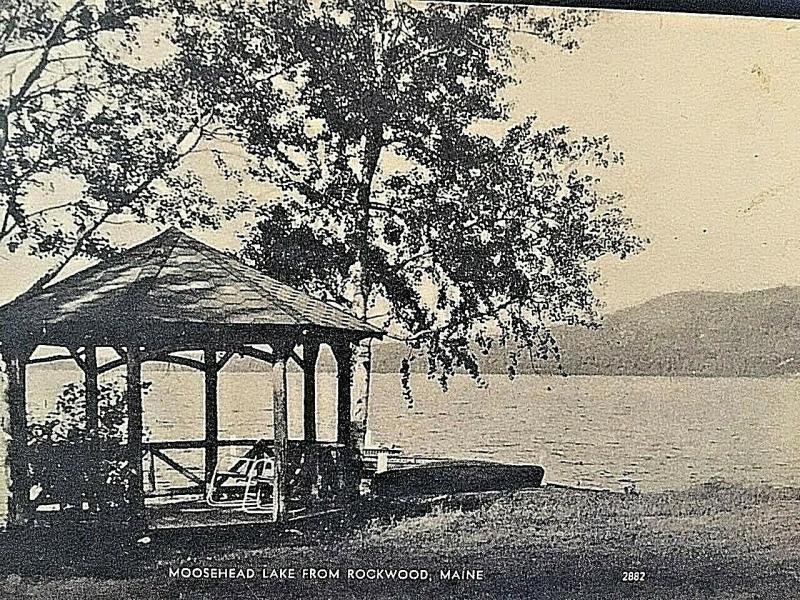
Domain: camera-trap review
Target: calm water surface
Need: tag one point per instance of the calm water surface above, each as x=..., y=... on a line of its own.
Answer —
x=659, y=433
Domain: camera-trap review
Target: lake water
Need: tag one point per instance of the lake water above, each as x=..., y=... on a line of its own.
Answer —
x=659, y=433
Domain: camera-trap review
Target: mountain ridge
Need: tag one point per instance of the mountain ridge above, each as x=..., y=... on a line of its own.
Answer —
x=701, y=333
x=684, y=333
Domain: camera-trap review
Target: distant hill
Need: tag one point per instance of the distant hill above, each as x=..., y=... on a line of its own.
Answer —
x=754, y=333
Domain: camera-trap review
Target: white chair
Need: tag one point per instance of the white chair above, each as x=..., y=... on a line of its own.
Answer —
x=259, y=493
x=234, y=471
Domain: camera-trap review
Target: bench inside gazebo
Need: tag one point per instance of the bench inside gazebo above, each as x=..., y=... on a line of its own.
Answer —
x=161, y=301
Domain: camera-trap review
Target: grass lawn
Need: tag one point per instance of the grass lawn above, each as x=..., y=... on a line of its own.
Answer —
x=711, y=541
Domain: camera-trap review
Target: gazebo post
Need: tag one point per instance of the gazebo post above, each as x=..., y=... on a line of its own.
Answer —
x=92, y=417
x=343, y=353
x=280, y=414
x=310, y=355
x=134, y=450
x=211, y=413
x=90, y=385
x=19, y=505
x=346, y=464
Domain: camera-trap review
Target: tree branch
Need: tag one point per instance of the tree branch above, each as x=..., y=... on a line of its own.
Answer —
x=7, y=229
x=174, y=156
x=52, y=41
x=404, y=263
x=9, y=28
x=429, y=53
x=76, y=249
x=64, y=41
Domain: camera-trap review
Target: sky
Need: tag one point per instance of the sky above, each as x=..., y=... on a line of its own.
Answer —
x=705, y=110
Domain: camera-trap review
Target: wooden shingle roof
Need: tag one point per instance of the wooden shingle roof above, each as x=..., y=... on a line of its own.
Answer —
x=175, y=279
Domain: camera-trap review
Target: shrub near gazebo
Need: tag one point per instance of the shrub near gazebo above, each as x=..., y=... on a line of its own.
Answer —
x=71, y=465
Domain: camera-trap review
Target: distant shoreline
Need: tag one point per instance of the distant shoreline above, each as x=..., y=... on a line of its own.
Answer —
x=233, y=371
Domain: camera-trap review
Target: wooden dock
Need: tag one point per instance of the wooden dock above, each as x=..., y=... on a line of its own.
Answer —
x=377, y=460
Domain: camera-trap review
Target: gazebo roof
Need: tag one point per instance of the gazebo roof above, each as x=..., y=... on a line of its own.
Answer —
x=172, y=280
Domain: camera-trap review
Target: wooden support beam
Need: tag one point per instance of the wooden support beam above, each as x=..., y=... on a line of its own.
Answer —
x=91, y=387
x=105, y=368
x=311, y=466
x=310, y=354
x=75, y=353
x=211, y=412
x=256, y=353
x=177, y=360
x=19, y=504
x=264, y=445
x=134, y=450
x=344, y=354
x=157, y=356
x=298, y=360
x=52, y=358
x=199, y=444
x=224, y=360
x=280, y=414
x=91, y=393
x=347, y=465
x=177, y=491
x=168, y=460
x=151, y=472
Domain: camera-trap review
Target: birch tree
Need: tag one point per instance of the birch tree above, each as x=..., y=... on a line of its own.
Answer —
x=366, y=115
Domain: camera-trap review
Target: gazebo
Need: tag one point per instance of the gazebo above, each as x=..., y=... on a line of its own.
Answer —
x=169, y=295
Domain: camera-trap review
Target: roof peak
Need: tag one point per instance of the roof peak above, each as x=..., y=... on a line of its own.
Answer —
x=171, y=231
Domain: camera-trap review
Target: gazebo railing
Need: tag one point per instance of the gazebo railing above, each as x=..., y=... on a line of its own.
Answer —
x=91, y=481
x=158, y=453
x=315, y=468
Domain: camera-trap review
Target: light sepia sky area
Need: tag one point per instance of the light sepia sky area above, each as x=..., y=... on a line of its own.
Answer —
x=706, y=111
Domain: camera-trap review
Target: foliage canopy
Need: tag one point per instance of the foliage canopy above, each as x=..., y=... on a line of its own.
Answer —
x=369, y=117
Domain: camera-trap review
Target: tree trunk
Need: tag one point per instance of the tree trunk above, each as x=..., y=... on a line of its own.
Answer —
x=5, y=445
x=362, y=358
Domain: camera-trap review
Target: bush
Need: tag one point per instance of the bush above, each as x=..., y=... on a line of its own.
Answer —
x=68, y=463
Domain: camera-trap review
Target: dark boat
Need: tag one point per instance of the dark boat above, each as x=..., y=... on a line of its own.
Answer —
x=452, y=477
